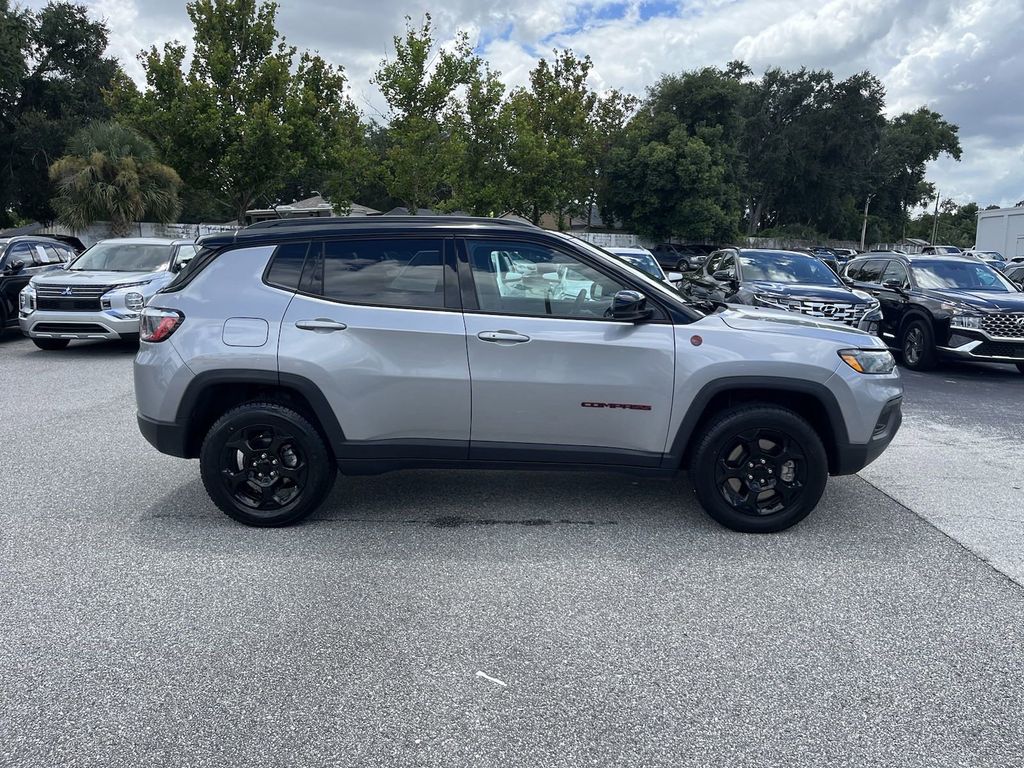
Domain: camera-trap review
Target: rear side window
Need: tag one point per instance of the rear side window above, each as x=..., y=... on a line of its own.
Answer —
x=868, y=271
x=286, y=265
x=397, y=272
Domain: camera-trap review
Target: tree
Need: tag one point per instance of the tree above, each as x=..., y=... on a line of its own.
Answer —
x=111, y=174
x=419, y=85
x=677, y=170
x=52, y=76
x=237, y=124
x=552, y=130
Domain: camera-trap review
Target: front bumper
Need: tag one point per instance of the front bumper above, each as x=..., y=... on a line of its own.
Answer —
x=976, y=345
x=106, y=324
x=853, y=457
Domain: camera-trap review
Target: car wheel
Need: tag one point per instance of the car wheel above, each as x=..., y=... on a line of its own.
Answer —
x=264, y=464
x=683, y=265
x=759, y=469
x=918, y=346
x=51, y=344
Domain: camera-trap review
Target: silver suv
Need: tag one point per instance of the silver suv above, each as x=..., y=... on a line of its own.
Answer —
x=101, y=293
x=291, y=349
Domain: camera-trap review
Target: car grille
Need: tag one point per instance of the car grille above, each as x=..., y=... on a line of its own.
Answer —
x=69, y=328
x=1004, y=325
x=999, y=349
x=70, y=298
x=839, y=312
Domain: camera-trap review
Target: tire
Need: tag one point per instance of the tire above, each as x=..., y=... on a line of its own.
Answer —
x=917, y=344
x=51, y=344
x=763, y=444
x=254, y=442
x=683, y=265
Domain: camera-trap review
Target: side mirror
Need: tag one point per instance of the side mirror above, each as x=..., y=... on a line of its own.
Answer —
x=723, y=276
x=674, y=277
x=893, y=285
x=848, y=280
x=15, y=267
x=630, y=306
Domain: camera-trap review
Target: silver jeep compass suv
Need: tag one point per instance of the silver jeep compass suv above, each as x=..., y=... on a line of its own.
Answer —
x=293, y=348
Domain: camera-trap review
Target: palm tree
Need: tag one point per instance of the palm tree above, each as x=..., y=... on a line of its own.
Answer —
x=111, y=173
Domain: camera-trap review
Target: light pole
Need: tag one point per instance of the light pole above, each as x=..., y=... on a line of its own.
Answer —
x=864, y=225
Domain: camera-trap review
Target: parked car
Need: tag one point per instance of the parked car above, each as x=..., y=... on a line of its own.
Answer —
x=22, y=258
x=643, y=259
x=781, y=280
x=945, y=308
x=282, y=353
x=102, y=292
x=941, y=250
x=1015, y=272
x=680, y=258
x=993, y=258
x=843, y=255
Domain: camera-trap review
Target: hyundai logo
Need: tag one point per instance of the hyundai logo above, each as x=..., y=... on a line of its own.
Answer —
x=66, y=291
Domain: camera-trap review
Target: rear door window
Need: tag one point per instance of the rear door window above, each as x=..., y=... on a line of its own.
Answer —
x=398, y=272
x=871, y=271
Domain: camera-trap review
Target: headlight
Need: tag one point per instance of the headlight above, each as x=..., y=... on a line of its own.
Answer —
x=131, y=285
x=868, y=360
x=27, y=299
x=134, y=301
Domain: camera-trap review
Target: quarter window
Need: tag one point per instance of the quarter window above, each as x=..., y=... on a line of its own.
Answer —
x=393, y=273
x=870, y=271
x=286, y=265
x=535, y=280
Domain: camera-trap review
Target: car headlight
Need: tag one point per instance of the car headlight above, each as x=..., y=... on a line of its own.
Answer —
x=868, y=360
x=963, y=317
x=134, y=301
x=27, y=299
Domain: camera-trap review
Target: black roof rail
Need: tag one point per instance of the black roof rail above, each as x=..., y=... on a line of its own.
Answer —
x=331, y=221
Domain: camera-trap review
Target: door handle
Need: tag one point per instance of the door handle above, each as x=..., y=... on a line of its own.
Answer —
x=321, y=325
x=506, y=337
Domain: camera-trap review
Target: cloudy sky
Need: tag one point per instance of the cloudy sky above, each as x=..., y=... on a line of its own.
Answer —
x=963, y=58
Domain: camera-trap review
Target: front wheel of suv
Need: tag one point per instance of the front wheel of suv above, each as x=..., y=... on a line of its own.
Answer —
x=759, y=469
x=51, y=344
x=265, y=465
x=918, y=346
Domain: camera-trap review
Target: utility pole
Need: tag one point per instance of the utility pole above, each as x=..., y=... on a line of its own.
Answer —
x=935, y=221
x=864, y=226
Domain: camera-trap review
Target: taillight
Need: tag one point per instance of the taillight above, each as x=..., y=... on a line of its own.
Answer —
x=157, y=324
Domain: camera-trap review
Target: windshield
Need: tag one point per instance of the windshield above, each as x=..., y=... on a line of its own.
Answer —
x=644, y=261
x=959, y=275
x=123, y=257
x=786, y=268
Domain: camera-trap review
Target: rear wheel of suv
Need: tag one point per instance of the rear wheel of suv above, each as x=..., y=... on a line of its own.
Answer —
x=264, y=464
x=51, y=344
x=918, y=346
x=759, y=469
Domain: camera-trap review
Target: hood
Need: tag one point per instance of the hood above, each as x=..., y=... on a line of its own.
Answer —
x=1006, y=302
x=801, y=291
x=776, y=321
x=85, y=278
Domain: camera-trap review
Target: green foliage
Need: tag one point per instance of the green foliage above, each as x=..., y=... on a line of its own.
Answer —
x=52, y=75
x=111, y=173
x=958, y=224
x=238, y=124
x=419, y=85
x=677, y=169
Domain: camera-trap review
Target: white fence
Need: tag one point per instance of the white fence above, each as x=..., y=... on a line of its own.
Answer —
x=101, y=230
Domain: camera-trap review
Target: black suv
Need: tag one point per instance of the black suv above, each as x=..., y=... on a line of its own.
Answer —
x=786, y=280
x=21, y=258
x=943, y=307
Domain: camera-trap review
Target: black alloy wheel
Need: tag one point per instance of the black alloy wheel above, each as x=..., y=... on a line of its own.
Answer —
x=264, y=464
x=917, y=346
x=759, y=469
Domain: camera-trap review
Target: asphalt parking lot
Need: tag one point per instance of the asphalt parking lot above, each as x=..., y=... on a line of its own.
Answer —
x=612, y=621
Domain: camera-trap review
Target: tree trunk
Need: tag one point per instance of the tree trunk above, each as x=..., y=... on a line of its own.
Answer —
x=755, y=217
